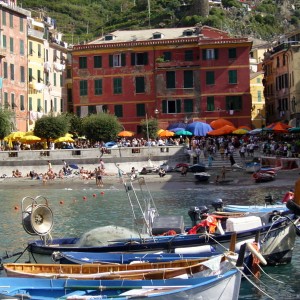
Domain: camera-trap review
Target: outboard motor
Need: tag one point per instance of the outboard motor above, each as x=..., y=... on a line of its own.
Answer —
x=269, y=199
x=197, y=214
x=217, y=204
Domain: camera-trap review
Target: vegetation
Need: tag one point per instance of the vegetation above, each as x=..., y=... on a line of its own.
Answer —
x=5, y=123
x=49, y=127
x=84, y=20
x=150, y=127
x=101, y=127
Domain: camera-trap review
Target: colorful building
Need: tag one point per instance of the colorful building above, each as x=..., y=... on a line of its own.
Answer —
x=174, y=75
x=13, y=61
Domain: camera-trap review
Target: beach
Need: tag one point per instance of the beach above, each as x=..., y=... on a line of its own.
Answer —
x=172, y=180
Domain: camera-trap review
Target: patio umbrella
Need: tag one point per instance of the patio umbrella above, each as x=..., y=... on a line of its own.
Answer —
x=255, y=131
x=199, y=128
x=294, y=129
x=64, y=139
x=176, y=129
x=278, y=127
x=227, y=129
x=219, y=123
x=177, y=125
x=30, y=139
x=240, y=131
x=183, y=132
x=16, y=135
x=166, y=133
x=126, y=133
x=244, y=127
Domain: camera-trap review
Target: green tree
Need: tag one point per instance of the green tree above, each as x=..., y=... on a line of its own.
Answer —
x=5, y=123
x=75, y=124
x=150, y=127
x=101, y=127
x=49, y=127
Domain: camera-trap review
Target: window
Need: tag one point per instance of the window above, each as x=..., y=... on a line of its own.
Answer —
x=83, y=87
x=61, y=80
x=46, y=106
x=22, y=102
x=188, y=105
x=210, y=54
x=232, y=53
x=11, y=45
x=232, y=76
x=210, y=77
x=22, y=51
x=5, y=70
x=92, y=109
x=30, y=77
x=55, y=104
x=167, y=56
x=140, y=84
x=39, y=106
x=22, y=74
x=3, y=17
x=259, y=96
x=4, y=42
x=97, y=61
x=30, y=103
x=233, y=102
x=98, y=86
x=21, y=25
x=258, y=80
x=140, y=110
x=117, y=60
x=82, y=62
x=139, y=59
x=12, y=72
x=188, y=79
x=117, y=82
x=12, y=101
x=171, y=106
x=119, y=111
x=39, y=50
x=54, y=79
x=170, y=79
x=157, y=35
x=188, y=55
x=210, y=103
x=30, y=48
x=6, y=103
x=11, y=20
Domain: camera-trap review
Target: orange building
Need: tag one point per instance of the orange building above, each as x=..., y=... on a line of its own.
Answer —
x=174, y=75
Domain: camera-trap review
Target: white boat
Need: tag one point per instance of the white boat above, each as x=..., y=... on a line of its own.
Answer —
x=202, y=176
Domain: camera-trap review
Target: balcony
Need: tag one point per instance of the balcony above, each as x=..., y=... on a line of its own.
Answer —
x=36, y=33
x=2, y=52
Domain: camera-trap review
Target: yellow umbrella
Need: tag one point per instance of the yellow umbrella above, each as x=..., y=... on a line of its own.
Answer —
x=29, y=133
x=159, y=131
x=166, y=133
x=126, y=133
x=16, y=135
x=64, y=139
x=240, y=131
x=30, y=139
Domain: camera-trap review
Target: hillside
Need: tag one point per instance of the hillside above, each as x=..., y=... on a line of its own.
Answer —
x=83, y=20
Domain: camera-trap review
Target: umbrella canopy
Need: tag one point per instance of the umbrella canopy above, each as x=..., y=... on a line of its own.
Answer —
x=166, y=133
x=244, y=127
x=126, y=133
x=278, y=127
x=176, y=129
x=199, y=128
x=16, y=135
x=183, y=132
x=227, y=129
x=29, y=133
x=219, y=123
x=30, y=139
x=255, y=131
x=64, y=139
x=240, y=131
x=294, y=129
x=177, y=125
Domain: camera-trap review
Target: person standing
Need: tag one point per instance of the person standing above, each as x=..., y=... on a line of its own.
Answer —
x=101, y=162
x=99, y=173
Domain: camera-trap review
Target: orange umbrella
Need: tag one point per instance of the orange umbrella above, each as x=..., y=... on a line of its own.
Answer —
x=216, y=124
x=227, y=129
x=126, y=133
x=244, y=127
x=166, y=133
x=278, y=127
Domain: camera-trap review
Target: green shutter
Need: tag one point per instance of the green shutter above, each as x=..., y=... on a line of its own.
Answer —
x=178, y=105
x=164, y=106
x=111, y=63
x=204, y=54
x=216, y=53
x=133, y=59
x=123, y=59
x=145, y=59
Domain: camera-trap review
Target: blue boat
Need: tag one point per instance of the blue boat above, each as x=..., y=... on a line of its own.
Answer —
x=224, y=287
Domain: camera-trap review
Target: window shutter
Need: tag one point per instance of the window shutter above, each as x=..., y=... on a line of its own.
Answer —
x=111, y=64
x=146, y=58
x=204, y=54
x=216, y=53
x=133, y=59
x=164, y=106
x=123, y=59
x=178, y=105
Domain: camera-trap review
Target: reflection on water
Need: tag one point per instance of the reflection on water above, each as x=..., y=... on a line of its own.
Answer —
x=77, y=211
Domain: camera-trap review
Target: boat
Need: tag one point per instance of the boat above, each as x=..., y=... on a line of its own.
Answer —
x=197, y=168
x=252, y=167
x=135, y=271
x=166, y=233
x=202, y=176
x=219, y=287
x=264, y=175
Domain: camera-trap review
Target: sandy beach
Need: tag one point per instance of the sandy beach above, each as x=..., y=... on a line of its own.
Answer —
x=170, y=181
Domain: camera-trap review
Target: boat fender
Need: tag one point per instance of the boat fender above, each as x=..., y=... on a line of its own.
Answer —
x=210, y=222
x=293, y=206
x=253, y=248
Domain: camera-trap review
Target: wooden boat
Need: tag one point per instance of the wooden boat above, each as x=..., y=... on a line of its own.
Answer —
x=278, y=235
x=136, y=271
x=263, y=176
x=225, y=287
x=202, y=176
x=252, y=167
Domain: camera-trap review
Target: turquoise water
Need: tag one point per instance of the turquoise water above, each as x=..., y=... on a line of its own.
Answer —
x=77, y=211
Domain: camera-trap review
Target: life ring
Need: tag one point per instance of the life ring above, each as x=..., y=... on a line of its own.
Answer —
x=256, y=254
x=293, y=206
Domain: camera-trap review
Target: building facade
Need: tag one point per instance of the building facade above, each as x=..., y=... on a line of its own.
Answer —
x=13, y=55
x=174, y=75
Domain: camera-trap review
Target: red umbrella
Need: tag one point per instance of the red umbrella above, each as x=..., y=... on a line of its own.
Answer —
x=279, y=127
x=219, y=123
x=227, y=129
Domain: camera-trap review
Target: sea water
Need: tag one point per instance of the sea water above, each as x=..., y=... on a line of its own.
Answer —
x=76, y=211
